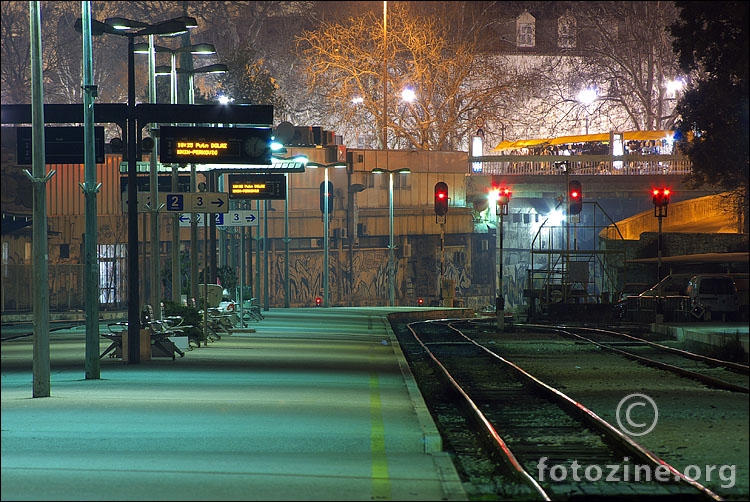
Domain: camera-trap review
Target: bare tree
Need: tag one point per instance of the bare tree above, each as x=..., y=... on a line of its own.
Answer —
x=624, y=51
x=15, y=52
x=453, y=83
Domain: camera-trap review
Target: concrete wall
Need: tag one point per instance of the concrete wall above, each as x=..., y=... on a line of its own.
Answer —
x=711, y=207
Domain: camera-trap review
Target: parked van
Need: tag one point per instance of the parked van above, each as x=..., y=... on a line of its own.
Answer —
x=711, y=295
x=691, y=296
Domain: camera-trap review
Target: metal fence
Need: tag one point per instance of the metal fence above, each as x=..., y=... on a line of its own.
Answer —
x=643, y=309
x=66, y=288
x=540, y=165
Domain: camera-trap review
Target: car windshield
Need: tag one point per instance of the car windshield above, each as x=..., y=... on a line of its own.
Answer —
x=669, y=286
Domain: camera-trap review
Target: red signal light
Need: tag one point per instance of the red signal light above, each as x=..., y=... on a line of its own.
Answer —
x=575, y=197
x=660, y=196
x=503, y=195
x=420, y=302
x=318, y=301
x=441, y=198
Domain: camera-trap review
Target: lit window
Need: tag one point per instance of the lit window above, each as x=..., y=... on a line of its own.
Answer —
x=566, y=31
x=525, y=30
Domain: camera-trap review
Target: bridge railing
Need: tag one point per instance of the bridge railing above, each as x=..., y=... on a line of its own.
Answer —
x=579, y=164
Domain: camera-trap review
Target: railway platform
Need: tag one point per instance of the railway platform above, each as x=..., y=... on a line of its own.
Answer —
x=708, y=336
x=315, y=404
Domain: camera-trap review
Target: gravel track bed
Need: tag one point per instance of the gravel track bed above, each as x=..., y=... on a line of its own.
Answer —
x=697, y=425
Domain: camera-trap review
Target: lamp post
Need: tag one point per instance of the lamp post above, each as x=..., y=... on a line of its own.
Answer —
x=90, y=189
x=213, y=68
x=391, y=264
x=296, y=158
x=586, y=97
x=384, y=143
x=132, y=29
x=326, y=216
x=172, y=71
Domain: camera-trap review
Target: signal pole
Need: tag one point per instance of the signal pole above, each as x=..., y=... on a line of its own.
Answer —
x=441, y=212
x=661, y=201
x=501, y=209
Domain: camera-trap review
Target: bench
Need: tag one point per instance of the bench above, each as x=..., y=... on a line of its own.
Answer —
x=251, y=310
x=160, y=332
x=115, y=337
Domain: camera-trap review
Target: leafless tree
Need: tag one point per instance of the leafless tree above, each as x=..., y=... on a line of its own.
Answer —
x=623, y=51
x=452, y=80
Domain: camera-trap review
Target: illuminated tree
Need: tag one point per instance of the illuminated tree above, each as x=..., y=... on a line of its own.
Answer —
x=453, y=82
x=622, y=49
x=248, y=81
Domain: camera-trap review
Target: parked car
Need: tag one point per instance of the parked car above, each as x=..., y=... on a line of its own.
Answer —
x=632, y=289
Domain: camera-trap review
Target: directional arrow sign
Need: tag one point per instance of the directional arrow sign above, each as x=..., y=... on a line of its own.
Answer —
x=241, y=219
x=185, y=219
x=209, y=202
x=144, y=202
x=204, y=202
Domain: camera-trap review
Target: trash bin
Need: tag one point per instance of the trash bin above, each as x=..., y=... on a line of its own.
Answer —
x=145, y=348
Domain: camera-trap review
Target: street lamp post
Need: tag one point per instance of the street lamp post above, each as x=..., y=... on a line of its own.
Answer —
x=90, y=189
x=215, y=68
x=202, y=49
x=297, y=158
x=326, y=217
x=172, y=71
x=132, y=29
x=384, y=143
x=391, y=261
x=586, y=97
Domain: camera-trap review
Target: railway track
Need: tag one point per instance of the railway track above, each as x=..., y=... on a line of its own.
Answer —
x=716, y=373
x=550, y=446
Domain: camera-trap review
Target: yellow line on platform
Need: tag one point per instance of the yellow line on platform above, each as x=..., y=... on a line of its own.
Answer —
x=381, y=483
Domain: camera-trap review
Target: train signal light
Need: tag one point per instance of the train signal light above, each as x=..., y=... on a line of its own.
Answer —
x=503, y=195
x=420, y=302
x=326, y=193
x=318, y=301
x=441, y=198
x=575, y=197
x=660, y=196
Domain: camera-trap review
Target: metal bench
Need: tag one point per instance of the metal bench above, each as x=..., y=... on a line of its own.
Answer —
x=160, y=332
x=251, y=310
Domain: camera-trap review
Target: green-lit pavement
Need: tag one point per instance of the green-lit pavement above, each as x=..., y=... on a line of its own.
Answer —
x=316, y=404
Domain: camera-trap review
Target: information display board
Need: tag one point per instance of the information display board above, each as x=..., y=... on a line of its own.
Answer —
x=62, y=145
x=257, y=186
x=215, y=145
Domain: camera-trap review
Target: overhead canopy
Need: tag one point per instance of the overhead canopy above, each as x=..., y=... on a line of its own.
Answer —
x=12, y=223
x=582, y=138
x=740, y=257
